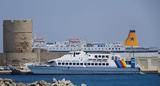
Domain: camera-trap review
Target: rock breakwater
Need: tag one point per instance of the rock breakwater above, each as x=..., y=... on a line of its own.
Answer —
x=63, y=82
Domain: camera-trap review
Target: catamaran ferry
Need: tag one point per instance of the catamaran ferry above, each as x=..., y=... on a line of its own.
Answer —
x=80, y=62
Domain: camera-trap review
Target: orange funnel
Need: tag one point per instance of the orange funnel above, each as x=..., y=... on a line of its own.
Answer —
x=131, y=40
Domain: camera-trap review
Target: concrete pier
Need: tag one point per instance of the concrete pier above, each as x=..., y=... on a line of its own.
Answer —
x=150, y=64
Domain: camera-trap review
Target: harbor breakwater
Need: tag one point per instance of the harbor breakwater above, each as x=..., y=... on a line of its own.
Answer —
x=63, y=82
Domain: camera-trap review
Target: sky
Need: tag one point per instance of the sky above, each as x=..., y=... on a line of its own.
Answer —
x=90, y=20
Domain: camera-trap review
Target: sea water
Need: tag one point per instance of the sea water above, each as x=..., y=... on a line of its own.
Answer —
x=93, y=80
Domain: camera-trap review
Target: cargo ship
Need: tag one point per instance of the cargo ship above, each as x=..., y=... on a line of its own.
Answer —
x=80, y=62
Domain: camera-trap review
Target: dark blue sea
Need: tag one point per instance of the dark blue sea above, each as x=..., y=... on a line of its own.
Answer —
x=94, y=80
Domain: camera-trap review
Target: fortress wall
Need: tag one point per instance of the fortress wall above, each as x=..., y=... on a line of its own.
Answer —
x=2, y=59
x=21, y=58
x=45, y=56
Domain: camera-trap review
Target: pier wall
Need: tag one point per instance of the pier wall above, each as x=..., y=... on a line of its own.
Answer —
x=151, y=64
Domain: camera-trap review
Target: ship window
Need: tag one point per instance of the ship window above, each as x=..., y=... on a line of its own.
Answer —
x=116, y=58
x=77, y=63
x=103, y=56
x=70, y=63
x=92, y=63
x=106, y=56
x=99, y=63
x=62, y=63
x=128, y=62
x=112, y=57
x=85, y=64
x=77, y=53
x=95, y=56
x=59, y=63
x=74, y=63
x=99, y=55
x=103, y=63
x=66, y=63
x=96, y=63
x=81, y=63
x=107, y=64
x=88, y=63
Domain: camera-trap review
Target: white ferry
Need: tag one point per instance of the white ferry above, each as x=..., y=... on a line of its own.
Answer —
x=130, y=45
x=80, y=62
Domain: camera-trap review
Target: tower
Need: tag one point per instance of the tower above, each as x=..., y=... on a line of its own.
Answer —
x=17, y=36
x=131, y=40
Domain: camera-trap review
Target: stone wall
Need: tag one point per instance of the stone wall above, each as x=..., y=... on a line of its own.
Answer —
x=21, y=58
x=2, y=59
x=17, y=36
x=45, y=56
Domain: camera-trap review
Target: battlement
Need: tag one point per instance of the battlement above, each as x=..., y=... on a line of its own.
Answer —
x=16, y=22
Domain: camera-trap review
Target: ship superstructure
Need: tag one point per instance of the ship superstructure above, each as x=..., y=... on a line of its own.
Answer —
x=77, y=44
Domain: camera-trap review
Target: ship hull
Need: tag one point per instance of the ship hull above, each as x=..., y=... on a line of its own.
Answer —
x=82, y=70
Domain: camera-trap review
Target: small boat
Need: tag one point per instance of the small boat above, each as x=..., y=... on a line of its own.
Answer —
x=80, y=62
x=5, y=70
